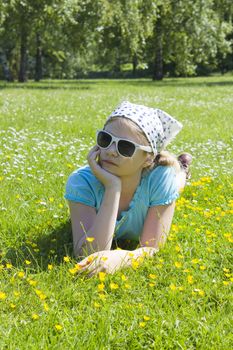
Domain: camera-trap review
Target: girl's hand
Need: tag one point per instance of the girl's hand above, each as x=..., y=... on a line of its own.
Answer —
x=107, y=179
x=107, y=261
x=110, y=261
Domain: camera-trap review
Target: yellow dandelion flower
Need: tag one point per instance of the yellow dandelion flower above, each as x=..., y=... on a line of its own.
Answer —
x=181, y=288
x=46, y=307
x=35, y=317
x=90, y=239
x=152, y=276
x=180, y=256
x=12, y=306
x=131, y=255
x=21, y=274
x=78, y=267
x=114, y=285
x=178, y=264
x=51, y=199
x=42, y=296
x=101, y=286
x=226, y=283
x=2, y=296
x=227, y=275
x=177, y=248
x=152, y=284
x=61, y=205
x=97, y=305
x=9, y=266
x=50, y=267
x=123, y=277
x=201, y=293
x=27, y=262
x=135, y=264
x=104, y=258
x=209, y=250
x=190, y=279
x=16, y=294
x=102, y=276
x=186, y=270
x=73, y=271
x=172, y=286
x=195, y=261
x=32, y=282
x=90, y=259
x=146, y=318
x=38, y=292
x=202, y=267
x=226, y=270
x=127, y=286
x=66, y=258
x=142, y=324
x=58, y=327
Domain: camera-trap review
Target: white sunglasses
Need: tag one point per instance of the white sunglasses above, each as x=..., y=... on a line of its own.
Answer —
x=124, y=147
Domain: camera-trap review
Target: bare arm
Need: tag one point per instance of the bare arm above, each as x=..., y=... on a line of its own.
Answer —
x=100, y=227
x=157, y=225
x=86, y=224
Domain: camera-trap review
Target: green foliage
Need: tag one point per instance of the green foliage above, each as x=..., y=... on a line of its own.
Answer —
x=182, y=35
x=181, y=298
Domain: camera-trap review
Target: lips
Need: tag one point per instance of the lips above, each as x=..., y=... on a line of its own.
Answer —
x=108, y=162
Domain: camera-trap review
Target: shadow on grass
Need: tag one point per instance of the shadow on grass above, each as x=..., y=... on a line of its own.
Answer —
x=86, y=84
x=51, y=249
x=41, y=251
x=43, y=86
x=179, y=83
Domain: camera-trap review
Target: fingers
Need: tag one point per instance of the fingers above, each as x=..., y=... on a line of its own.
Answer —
x=94, y=152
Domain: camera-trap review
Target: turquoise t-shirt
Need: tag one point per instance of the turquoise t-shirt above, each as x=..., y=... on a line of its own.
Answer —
x=158, y=187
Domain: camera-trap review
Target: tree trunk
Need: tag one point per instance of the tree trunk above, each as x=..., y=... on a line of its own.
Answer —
x=135, y=63
x=158, y=64
x=38, y=67
x=23, y=58
x=6, y=69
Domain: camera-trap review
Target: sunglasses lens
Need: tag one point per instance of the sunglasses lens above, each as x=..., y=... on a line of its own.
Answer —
x=104, y=139
x=126, y=148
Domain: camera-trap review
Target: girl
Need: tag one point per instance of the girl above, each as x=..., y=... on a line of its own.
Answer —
x=127, y=192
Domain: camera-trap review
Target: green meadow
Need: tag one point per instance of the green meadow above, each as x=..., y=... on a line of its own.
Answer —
x=179, y=299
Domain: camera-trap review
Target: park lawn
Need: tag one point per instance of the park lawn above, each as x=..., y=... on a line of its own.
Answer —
x=179, y=299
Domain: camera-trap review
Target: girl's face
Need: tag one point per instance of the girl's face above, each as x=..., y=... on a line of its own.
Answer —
x=122, y=166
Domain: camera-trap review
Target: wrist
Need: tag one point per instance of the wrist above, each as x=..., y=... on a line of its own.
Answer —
x=116, y=187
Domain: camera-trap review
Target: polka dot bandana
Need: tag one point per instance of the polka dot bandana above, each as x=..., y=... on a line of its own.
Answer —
x=158, y=126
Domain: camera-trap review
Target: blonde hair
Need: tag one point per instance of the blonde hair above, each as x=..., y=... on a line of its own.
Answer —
x=163, y=158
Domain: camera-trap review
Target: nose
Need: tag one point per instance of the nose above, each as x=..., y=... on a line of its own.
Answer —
x=112, y=149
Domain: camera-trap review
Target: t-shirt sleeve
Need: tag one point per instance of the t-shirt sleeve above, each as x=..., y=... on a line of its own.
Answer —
x=78, y=189
x=163, y=187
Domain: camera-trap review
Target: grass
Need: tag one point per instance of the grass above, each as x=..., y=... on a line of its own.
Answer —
x=181, y=298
